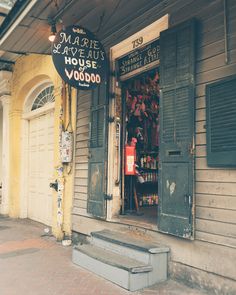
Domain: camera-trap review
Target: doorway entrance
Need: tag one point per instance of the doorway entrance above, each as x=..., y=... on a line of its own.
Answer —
x=41, y=137
x=171, y=187
x=140, y=137
x=38, y=154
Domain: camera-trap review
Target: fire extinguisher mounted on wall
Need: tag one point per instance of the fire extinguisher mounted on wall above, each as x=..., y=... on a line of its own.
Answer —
x=130, y=157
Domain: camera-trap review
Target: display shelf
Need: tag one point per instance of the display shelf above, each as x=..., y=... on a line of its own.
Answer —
x=148, y=176
x=148, y=200
x=148, y=182
x=147, y=205
x=149, y=169
x=148, y=152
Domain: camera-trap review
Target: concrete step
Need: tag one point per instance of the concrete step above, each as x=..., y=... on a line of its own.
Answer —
x=135, y=246
x=131, y=245
x=129, y=260
x=123, y=271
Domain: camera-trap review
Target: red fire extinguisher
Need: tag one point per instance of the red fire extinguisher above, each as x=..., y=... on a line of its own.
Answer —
x=130, y=157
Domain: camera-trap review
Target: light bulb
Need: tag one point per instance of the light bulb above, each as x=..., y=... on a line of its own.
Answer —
x=52, y=37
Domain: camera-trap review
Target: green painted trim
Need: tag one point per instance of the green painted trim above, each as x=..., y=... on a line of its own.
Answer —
x=14, y=13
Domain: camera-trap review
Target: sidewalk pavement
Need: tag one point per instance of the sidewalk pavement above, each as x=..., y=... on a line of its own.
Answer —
x=34, y=264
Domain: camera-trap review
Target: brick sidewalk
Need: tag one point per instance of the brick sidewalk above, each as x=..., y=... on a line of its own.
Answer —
x=33, y=264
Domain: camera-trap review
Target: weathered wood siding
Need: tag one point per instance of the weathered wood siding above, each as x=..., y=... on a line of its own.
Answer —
x=215, y=188
x=81, y=154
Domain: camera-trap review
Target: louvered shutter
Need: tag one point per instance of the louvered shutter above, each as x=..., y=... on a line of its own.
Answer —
x=221, y=123
x=98, y=153
x=176, y=130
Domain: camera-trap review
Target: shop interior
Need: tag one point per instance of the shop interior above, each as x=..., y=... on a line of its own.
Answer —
x=140, y=109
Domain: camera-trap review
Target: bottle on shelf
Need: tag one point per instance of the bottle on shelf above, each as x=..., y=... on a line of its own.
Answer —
x=141, y=162
x=148, y=199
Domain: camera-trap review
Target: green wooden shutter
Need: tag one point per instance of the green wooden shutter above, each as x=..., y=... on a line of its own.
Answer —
x=176, y=129
x=98, y=153
x=221, y=123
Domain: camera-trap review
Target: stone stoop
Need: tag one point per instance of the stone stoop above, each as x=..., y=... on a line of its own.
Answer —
x=129, y=261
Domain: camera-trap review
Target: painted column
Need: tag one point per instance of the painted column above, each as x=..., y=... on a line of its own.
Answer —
x=5, y=97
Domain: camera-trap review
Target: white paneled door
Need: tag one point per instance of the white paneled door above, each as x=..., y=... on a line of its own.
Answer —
x=41, y=137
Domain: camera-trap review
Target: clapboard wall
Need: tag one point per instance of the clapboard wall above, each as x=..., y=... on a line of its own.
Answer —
x=215, y=189
x=81, y=154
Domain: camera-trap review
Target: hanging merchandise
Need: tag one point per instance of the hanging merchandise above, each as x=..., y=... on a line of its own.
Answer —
x=142, y=102
x=142, y=126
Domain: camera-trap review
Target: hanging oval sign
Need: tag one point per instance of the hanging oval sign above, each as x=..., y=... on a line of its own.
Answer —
x=79, y=57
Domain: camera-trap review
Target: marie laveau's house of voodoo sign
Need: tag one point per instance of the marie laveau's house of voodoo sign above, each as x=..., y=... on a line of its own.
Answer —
x=79, y=57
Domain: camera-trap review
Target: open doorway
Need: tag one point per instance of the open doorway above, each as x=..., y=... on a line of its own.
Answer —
x=140, y=140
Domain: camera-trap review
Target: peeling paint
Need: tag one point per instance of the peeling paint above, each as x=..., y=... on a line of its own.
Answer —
x=167, y=184
x=172, y=188
x=95, y=179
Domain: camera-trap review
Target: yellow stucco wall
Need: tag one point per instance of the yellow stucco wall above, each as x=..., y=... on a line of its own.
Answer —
x=30, y=71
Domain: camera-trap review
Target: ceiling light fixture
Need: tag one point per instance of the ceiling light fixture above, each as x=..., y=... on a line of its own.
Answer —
x=52, y=35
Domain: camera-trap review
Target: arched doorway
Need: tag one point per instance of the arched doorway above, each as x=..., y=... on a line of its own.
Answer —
x=38, y=157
